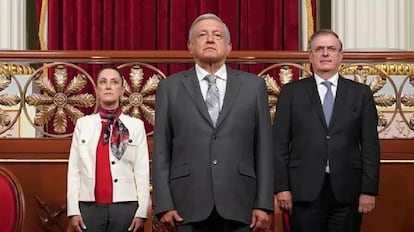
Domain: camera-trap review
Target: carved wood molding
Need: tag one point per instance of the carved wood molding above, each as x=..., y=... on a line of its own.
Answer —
x=183, y=56
x=52, y=220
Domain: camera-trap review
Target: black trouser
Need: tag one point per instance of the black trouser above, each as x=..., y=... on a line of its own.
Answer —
x=116, y=217
x=325, y=214
x=214, y=223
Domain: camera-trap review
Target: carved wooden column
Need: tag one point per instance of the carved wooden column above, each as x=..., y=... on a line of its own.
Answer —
x=374, y=24
x=13, y=24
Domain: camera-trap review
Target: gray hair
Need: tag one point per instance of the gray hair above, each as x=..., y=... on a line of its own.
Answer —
x=209, y=16
x=323, y=32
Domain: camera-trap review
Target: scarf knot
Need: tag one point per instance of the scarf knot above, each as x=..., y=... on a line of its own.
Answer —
x=115, y=132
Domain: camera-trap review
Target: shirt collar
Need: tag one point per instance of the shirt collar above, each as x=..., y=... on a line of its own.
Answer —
x=201, y=73
x=333, y=79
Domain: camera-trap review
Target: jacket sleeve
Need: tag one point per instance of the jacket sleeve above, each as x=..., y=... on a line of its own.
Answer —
x=369, y=145
x=281, y=140
x=141, y=173
x=73, y=175
x=161, y=157
x=263, y=153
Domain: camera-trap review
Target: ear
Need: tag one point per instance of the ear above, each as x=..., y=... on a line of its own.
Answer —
x=310, y=56
x=341, y=55
x=123, y=86
x=190, y=47
x=229, y=47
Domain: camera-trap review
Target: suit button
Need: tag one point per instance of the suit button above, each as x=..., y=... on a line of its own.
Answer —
x=215, y=137
x=113, y=162
x=328, y=137
x=116, y=180
x=215, y=162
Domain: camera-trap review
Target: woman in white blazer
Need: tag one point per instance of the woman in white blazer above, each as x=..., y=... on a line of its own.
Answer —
x=108, y=169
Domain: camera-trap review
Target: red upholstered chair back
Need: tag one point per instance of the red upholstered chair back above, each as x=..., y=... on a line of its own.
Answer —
x=11, y=202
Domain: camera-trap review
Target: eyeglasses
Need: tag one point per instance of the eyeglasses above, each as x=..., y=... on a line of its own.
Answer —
x=330, y=50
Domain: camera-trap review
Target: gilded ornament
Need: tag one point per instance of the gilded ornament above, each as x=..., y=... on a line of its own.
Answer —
x=59, y=100
x=139, y=96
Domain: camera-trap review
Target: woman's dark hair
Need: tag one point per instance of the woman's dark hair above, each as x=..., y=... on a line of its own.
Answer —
x=112, y=68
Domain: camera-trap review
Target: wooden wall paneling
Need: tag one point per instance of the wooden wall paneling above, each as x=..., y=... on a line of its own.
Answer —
x=395, y=204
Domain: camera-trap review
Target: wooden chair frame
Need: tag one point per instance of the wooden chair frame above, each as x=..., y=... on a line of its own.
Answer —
x=18, y=193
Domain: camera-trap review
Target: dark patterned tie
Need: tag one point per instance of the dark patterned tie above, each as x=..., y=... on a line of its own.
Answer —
x=212, y=98
x=328, y=102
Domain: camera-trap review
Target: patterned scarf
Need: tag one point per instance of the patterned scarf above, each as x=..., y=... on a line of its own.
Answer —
x=120, y=134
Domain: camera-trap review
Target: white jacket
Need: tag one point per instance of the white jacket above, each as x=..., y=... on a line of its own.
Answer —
x=130, y=174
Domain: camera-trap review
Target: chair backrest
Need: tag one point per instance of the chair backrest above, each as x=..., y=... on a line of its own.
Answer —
x=11, y=202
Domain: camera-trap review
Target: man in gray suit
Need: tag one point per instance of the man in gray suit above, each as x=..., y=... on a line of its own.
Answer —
x=212, y=160
x=326, y=145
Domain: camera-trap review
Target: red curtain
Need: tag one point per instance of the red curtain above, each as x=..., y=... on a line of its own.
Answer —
x=164, y=24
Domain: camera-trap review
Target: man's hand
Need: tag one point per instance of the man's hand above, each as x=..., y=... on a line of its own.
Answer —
x=366, y=203
x=137, y=224
x=284, y=200
x=76, y=224
x=170, y=218
x=260, y=219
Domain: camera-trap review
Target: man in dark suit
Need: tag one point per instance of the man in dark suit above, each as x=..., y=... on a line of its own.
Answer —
x=212, y=160
x=326, y=145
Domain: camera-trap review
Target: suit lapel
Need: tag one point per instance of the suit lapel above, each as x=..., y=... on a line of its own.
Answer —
x=232, y=90
x=313, y=94
x=192, y=86
x=340, y=98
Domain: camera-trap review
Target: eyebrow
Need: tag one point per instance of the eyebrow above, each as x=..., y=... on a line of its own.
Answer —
x=331, y=46
x=109, y=78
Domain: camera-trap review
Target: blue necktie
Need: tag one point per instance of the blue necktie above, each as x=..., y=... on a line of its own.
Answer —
x=212, y=98
x=328, y=102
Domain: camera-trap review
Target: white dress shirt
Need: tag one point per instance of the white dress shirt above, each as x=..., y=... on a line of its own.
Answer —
x=220, y=82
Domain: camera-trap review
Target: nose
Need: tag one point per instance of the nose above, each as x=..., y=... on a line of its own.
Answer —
x=210, y=37
x=108, y=85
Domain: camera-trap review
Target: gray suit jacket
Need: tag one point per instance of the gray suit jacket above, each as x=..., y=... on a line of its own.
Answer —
x=303, y=142
x=197, y=167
